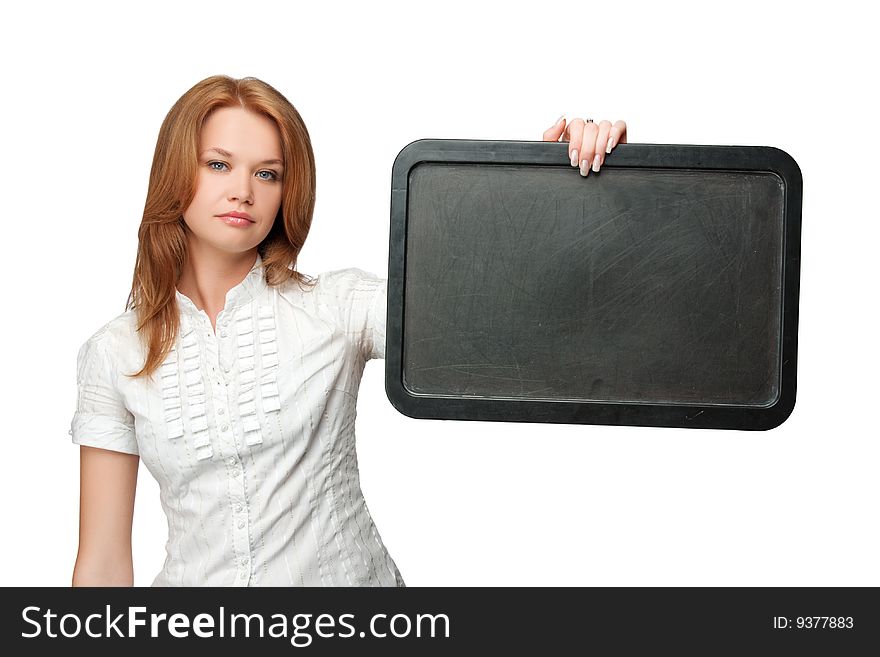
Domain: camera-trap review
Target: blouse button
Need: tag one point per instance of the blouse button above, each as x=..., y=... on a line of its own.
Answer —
x=222, y=334
x=239, y=508
x=241, y=525
x=225, y=427
x=231, y=460
x=219, y=411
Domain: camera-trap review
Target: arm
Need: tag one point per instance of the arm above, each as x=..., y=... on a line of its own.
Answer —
x=108, y=480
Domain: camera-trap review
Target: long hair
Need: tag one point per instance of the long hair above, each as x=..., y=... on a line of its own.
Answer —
x=162, y=241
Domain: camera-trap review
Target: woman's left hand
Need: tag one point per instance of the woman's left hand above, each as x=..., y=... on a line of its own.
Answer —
x=589, y=142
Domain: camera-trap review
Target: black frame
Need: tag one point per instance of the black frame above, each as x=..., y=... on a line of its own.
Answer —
x=673, y=156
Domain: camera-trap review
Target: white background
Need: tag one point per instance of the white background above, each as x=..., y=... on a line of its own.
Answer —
x=87, y=85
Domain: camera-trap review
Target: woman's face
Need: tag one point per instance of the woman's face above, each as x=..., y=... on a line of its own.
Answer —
x=243, y=178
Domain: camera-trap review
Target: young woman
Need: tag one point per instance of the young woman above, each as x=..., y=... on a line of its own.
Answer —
x=232, y=376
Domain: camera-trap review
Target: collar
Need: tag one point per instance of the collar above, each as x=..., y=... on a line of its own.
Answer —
x=251, y=287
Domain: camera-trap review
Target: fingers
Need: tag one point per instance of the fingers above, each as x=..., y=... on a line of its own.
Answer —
x=601, y=144
x=576, y=134
x=617, y=135
x=596, y=141
x=588, y=146
x=555, y=132
x=589, y=143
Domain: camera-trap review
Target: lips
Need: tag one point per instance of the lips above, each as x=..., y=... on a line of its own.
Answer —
x=235, y=221
x=237, y=215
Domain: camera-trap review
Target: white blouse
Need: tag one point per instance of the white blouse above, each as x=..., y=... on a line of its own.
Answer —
x=250, y=432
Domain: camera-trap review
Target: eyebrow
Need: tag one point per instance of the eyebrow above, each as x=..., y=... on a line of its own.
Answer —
x=230, y=155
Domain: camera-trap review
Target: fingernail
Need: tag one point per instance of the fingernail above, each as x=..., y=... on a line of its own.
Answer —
x=596, y=161
x=559, y=120
x=585, y=168
x=574, y=158
x=610, y=141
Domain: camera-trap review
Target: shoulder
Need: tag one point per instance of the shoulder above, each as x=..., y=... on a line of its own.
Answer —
x=114, y=335
x=352, y=289
x=348, y=278
x=346, y=298
x=337, y=286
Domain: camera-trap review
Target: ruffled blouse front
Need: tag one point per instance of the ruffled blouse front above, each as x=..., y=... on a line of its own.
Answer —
x=250, y=431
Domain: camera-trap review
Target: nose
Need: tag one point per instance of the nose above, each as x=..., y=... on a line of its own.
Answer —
x=241, y=189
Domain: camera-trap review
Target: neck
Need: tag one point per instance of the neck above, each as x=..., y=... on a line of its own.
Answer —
x=208, y=275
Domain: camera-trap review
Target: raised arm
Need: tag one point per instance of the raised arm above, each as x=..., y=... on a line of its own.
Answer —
x=108, y=480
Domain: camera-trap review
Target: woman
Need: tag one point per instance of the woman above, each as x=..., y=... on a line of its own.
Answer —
x=232, y=376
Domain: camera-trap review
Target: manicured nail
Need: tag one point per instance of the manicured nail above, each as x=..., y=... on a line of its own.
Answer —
x=585, y=168
x=559, y=120
x=574, y=158
x=610, y=142
x=596, y=162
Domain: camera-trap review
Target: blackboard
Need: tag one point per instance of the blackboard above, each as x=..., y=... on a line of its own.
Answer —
x=660, y=291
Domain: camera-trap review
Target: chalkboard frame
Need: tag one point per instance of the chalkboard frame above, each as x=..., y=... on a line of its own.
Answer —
x=671, y=156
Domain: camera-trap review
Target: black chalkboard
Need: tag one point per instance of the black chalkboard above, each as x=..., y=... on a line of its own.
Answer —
x=661, y=291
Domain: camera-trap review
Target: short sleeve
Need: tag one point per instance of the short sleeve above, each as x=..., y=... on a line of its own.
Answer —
x=374, y=334
x=101, y=418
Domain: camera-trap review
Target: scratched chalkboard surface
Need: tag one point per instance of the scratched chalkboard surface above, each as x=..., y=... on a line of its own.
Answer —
x=661, y=291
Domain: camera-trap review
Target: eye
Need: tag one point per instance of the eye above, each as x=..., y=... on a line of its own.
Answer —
x=272, y=175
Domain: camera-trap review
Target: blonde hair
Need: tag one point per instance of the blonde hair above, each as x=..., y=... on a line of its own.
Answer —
x=162, y=242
